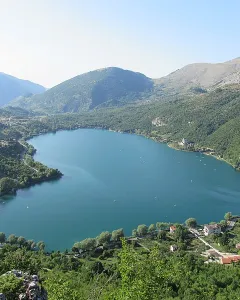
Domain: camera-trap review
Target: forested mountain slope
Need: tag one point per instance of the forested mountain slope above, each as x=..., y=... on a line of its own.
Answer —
x=12, y=87
x=104, y=87
x=210, y=120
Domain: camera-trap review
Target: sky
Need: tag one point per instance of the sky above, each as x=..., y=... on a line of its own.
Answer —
x=49, y=41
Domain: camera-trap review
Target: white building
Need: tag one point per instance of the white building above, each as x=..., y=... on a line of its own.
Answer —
x=212, y=229
x=173, y=248
x=186, y=143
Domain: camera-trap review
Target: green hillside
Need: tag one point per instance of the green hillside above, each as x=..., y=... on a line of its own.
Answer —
x=12, y=87
x=104, y=87
x=210, y=120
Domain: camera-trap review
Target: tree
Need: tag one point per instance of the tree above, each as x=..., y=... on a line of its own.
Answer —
x=7, y=185
x=191, y=222
x=180, y=233
x=151, y=228
x=228, y=216
x=142, y=278
x=223, y=224
x=161, y=225
x=76, y=247
x=117, y=234
x=87, y=244
x=10, y=286
x=162, y=235
x=104, y=237
x=142, y=230
x=41, y=245
x=2, y=237
x=21, y=241
x=12, y=239
x=30, y=244
x=134, y=232
x=224, y=239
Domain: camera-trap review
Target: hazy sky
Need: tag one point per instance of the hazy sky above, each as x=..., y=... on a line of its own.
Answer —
x=49, y=41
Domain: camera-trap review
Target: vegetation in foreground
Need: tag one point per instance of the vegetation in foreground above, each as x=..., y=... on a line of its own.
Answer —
x=134, y=270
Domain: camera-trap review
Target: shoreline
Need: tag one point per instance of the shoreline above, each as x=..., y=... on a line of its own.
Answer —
x=163, y=141
x=204, y=153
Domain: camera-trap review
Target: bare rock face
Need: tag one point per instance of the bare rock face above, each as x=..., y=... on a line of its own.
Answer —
x=205, y=75
x=32, y=287
x=34, y=291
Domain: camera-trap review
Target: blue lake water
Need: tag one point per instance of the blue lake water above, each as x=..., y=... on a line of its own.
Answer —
x=114, y=180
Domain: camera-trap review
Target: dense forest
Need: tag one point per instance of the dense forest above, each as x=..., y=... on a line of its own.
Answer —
x=17, y=167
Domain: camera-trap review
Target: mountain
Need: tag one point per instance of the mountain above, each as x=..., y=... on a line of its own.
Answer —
x=12, y=87
x=209, y=120
x=100, y=88
x=118, y=87
x=201, y=75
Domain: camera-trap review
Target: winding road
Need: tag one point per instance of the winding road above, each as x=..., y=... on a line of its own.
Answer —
x=24, y=159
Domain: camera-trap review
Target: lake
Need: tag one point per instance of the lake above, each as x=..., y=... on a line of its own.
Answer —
x=113, y=180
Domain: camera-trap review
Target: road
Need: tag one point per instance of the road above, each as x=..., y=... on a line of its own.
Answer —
x=24, y=159
x=144, y=247
x=30, y=166
x=197, y=235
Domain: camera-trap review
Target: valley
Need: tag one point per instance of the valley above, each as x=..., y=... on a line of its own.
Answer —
x=119, y=150
x=210, y=120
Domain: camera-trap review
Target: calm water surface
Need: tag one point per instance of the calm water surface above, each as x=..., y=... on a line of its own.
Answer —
x=114, y=180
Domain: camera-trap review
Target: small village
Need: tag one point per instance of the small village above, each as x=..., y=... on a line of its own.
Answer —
x=215, y=242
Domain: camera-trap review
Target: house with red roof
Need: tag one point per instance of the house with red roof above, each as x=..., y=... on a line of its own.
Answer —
x=172, y=229
x=229, y=259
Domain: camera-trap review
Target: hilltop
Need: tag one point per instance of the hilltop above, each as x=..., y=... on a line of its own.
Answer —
x=99, y=88
x=201, y=77
x=114, y=87
x=12, y=87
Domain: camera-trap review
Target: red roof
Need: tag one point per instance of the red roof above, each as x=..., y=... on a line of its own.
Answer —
x=230, y=259
x=173, y=227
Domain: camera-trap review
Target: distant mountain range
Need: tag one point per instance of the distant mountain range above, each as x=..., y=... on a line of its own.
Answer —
x=200, y=102
x=117, y=87
x=12, y=87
